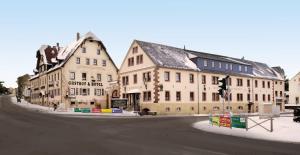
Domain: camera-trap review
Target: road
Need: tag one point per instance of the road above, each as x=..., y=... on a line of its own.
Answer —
x=25, y=132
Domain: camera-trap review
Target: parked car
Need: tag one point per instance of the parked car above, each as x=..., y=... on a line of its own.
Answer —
x=296, y=115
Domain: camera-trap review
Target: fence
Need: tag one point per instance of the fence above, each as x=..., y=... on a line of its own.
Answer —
x=240, y=121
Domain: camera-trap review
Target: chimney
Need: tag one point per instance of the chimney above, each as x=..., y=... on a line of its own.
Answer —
x=57, y=45
x=78, y=36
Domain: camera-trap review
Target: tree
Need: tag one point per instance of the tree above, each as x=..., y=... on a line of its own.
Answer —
x=286, y=84
x=2, y=88
x=21, y=81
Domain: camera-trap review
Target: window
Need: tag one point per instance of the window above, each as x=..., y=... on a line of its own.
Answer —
x=231, y=67
x=203, y=96
x=178, y=109
x=98, y=51
x=83, y=76
x=168, y=109
x=109, y=78
x=256, y=84
x=215, y=97
x=297, y=100
x=240, y=68
x=264, y=97
x=84, y=91
x=205, y=63
x=57, y=76
x=97, y=92
x=240, y=108
x=103, y=63
x=147, y=96
x=134, y=50
x=95, y=62
x=139, y=59
x=98, y=77
x=191, y=78
x=246, y=69
x=263, y=84
x=215, y=80
x=72, y=91
x=239, y=97
x=248, y=97
x=213, y=64
x=72, y=75
x=239, y=82
x=192, y=98
x=203, y=79
x=276, y=93
x=130, y=61
x=280, y=93
x=147, y=76
x=226, y=66
x=83, y=50
x=178, y=96
x=178, y=77
x=87, y=61
x=229, y=81
x=167, y=95
x=125, y=80
x=256, y=97
x=269, y=85
x=248, y=83
x=269, y=97
x=167, y=76
x=135, y=78
x=77, y=60
x=220, y=65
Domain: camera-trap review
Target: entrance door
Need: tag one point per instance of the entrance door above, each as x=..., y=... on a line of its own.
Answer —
x=136, y=101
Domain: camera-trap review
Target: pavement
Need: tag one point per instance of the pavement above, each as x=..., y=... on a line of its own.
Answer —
x=26, y=132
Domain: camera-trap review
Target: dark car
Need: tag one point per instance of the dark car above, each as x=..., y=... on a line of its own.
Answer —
x=297, y=115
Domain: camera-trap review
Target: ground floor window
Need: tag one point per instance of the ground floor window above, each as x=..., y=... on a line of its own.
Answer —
x=168, y=109
x=240, y=108
x=147, y=96
x=178, y=109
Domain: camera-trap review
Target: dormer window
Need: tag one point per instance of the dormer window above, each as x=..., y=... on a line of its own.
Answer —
x=220, y=65
x=246, y=69
x=231, y=67
x=240, y=68
x=205, y=63
x=213, y=64
x=226, y=66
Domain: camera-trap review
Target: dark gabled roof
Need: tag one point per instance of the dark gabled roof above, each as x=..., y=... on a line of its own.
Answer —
x=167, y=56
x=172, y=57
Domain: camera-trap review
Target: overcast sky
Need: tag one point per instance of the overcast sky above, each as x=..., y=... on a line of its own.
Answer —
x=266, y=31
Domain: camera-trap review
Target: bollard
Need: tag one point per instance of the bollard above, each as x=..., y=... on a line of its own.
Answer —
x=271, y=124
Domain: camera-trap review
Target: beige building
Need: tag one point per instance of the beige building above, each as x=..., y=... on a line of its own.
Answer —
x=81, y=74
x=294, y=89
x=170, y=80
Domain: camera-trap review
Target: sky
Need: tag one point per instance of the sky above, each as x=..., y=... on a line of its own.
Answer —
x=266, y=31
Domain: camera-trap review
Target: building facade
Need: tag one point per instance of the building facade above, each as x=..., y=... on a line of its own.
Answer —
x=294, y=89
x=171, y=80
x=81, y=74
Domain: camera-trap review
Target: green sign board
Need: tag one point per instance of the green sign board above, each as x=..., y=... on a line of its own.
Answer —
x=238, y=122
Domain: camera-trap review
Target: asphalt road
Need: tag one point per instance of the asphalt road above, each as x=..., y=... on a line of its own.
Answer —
x=25, y=132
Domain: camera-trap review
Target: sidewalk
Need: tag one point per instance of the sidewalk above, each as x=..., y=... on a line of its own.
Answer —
x=50, y=110
x=285, y=130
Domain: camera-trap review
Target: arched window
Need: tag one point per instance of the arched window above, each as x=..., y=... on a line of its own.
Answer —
x=168, y=109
